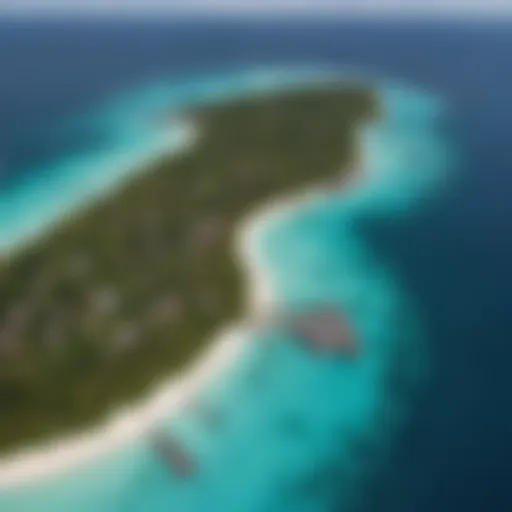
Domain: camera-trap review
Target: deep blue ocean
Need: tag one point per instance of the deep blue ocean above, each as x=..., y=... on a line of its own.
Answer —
x=453, y=257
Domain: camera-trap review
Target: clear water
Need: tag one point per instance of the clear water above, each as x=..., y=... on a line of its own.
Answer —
x=298, y=431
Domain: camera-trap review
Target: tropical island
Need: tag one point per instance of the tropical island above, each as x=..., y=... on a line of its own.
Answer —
x=129, y=290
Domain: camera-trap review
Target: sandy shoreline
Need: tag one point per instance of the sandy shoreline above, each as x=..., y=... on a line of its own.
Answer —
x=123, y=426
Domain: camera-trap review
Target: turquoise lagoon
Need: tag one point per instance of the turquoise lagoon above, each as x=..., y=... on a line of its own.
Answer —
x=296, y=431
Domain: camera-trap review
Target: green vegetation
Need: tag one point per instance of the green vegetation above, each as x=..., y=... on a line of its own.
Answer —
x=128, y=291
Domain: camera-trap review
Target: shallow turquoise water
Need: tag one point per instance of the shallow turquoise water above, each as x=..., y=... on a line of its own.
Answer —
x=298, y=432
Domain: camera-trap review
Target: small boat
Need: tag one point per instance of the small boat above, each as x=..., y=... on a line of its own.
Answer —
x=172, y=453
x=324, y=330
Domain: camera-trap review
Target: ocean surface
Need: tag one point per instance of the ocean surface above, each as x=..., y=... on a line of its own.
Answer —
x=401, y=247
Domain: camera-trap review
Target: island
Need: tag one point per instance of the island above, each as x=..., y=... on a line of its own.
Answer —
x=128, y=291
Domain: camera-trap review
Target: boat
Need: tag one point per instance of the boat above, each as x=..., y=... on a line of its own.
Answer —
x=172, y=454
x=323, y=329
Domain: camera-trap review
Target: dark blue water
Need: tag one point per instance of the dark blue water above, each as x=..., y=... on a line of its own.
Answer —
x=454, y=257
